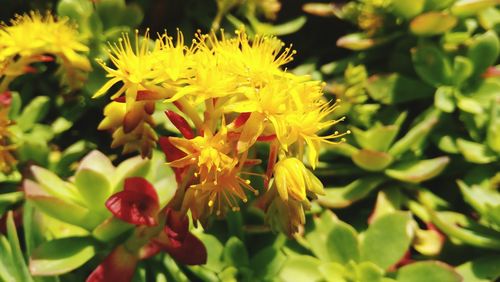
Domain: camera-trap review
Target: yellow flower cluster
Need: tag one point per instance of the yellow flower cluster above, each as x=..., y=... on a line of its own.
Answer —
x=212, y=81
x=30, y=38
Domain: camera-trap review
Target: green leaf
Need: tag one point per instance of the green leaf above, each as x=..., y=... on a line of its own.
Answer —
x=369, y=272
x=475, y=152
x=18, y=260
x=110, y=229
x=372, y=160
x=34, y=112
x=214, y=250
x=70, y=155
x=340, y=197
x=415, y=136
x=9, y=199
x=54, y=186
x=464, y=229
x=342, y=243
x=467, y=8
x=301, y=268
x=288, y=27
x=419, y=170
x=65, y=211
x=235, y=253
x=7, y=267
x=334, y=272
x=407, y=9
x=77, y=10
x=360, y=41
x=483, y=269
x=444, y=99
x=61, y=255
x=433, y=271
x=15, y=105
x=484, y=51
x=493, y=132
x=377, y=138
x=387, y=239
x=462, y=69
x=432, y=65
x=437, y=4
x=432, y=23
x=61, y=125
x=133, y=167
x=479, y=198
x=98, y=162
x=94, y=188
x=395, y=88
x=267, y=262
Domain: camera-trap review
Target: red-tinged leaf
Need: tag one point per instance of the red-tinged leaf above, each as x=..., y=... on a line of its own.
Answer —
x=132, y=120
x=266, y=138
x=44, y=58
x=181, y=124
x=176, y=240
x=176, y=227
x=149, y=250
x=29, y=69
x=146, y=95
x=273, y=154
x=191, y=252
x=491, y=72
x=149, y=108
x=241, y=119
x=118, y=266
x=120, y=99
x=173, y=153
x=137, y=204
x=5, y=98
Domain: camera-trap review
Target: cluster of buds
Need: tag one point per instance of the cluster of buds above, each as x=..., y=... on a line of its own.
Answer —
x=31, y=38
x=7, y=160
x=235, y=95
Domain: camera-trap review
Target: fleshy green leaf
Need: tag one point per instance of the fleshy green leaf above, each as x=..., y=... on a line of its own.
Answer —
x=61, y=256
x=484, y=51
x=407, y=9
x=396, y=88
x=475, y=152
x=432, y=65
x=432, y=23
x=342, y=243
x=433, y=271
x=235, y=253
x=17, y=258
x=444, y=99
x=372, y=160
x=419, y=170
x=301, y=268
x=339, y=197
x=34, y=112
x=387, y=239
x=483, y=269
x=94, y=188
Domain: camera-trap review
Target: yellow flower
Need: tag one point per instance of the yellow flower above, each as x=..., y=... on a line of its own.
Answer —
x=255, y=61
x=294, y=180
x=33, y=35
x=221, y=192
x=209, y=153
x=132, y=129
x=134, y=67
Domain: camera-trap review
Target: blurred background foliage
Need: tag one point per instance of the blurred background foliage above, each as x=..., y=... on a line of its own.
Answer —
x=412, y=193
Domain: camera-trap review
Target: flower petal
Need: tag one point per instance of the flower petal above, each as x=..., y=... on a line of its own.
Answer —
x=181, y=124
x=138, y=204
